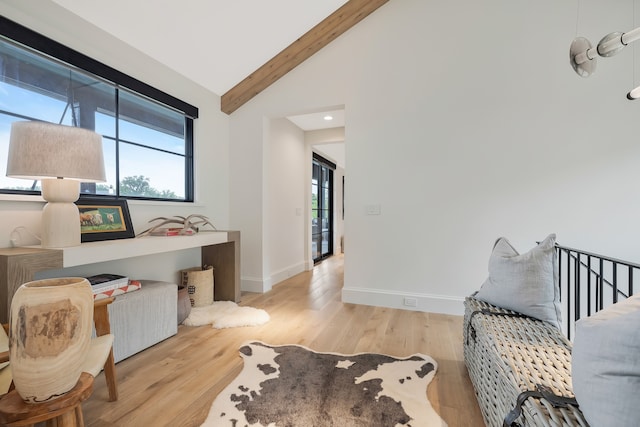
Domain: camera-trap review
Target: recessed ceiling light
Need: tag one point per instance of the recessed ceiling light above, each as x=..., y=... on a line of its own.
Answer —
x=327, y=118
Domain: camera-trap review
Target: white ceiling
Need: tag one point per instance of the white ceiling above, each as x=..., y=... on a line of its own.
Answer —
x=315, y=121
x=334, y=151
x=216, y=43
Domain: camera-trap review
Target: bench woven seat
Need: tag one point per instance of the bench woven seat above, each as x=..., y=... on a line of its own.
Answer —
x=507, y=354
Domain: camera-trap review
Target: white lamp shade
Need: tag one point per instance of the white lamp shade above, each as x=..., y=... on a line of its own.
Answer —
x=40, y=150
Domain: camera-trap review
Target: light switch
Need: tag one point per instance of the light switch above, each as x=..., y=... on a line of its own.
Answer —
x=373, y=209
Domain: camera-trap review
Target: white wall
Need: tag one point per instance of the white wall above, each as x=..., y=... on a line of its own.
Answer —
x=338, y=219
x=287, y=212
x=465, y=122
x=211, y=139
x=328, y=142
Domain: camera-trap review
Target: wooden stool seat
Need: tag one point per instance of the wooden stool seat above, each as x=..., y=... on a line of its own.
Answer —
x=66, y=410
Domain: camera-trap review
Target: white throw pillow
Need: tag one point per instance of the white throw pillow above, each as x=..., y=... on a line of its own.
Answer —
x=605, y=365
x=526, y=283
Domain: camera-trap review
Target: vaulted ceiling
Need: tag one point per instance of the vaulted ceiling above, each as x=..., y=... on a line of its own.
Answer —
x=234, y=48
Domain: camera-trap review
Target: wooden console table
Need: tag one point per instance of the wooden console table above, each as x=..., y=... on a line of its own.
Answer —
x=221, y=249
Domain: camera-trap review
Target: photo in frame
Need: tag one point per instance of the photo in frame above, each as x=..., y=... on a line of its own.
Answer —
x=104, y=219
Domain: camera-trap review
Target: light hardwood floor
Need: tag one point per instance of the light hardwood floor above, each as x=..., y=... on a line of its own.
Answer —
x=174, y=382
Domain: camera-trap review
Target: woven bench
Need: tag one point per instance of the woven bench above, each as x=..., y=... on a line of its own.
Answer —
x=520, y=368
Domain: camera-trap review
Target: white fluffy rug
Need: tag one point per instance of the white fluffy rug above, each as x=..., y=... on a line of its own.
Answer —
x=226, y=314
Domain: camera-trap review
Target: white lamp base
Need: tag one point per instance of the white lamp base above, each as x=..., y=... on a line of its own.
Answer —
x=60, y=216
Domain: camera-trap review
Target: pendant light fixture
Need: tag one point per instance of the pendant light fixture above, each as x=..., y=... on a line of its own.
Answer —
x=583, y=56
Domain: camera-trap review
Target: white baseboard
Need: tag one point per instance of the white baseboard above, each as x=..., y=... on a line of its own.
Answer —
x=423, y=302
x=308, y=265
x=254, y=284
x=285, y=273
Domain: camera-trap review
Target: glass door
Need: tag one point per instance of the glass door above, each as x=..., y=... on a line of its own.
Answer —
x=321, y=208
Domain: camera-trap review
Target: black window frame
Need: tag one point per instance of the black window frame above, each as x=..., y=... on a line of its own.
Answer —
x=325, y=166
x=48, y=47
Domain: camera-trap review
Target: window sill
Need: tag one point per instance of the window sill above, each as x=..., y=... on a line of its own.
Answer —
x=39, y=199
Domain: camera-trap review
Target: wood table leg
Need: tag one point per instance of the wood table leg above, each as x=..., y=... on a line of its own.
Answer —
x=103, y=327
x=110, y=377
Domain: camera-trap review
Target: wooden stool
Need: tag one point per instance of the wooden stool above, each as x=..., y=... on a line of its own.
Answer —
x=65, y=411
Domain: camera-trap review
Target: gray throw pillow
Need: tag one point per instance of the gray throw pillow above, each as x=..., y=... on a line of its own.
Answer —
x=605, y=365
x=526, y=283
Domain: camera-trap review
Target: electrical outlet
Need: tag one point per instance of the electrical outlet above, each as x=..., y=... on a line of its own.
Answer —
x=410, y=302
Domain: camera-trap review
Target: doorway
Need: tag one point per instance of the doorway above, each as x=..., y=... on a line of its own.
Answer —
x=321, y=208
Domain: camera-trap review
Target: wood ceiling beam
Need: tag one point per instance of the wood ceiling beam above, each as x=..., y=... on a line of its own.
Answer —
x=297, y=52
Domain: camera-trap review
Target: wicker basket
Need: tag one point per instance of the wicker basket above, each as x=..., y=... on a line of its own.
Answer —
x=199, y=283
x=506, y=356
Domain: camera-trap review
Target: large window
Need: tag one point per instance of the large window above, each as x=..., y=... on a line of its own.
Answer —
x=147, y=134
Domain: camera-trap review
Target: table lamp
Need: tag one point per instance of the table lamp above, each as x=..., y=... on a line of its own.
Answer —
x=61, y=157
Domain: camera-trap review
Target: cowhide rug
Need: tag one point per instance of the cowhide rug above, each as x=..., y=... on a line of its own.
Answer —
x=294, y=386
x=226, y=314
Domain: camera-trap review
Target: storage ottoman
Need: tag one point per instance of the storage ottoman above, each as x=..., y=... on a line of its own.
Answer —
x=142, y=318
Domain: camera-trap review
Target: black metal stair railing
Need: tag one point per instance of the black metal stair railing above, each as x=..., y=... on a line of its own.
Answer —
x=590, y=282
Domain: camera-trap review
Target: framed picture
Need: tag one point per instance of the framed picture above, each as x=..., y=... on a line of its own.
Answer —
x=104, y=220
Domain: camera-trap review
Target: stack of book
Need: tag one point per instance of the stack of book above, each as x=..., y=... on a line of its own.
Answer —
x=109, y=285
